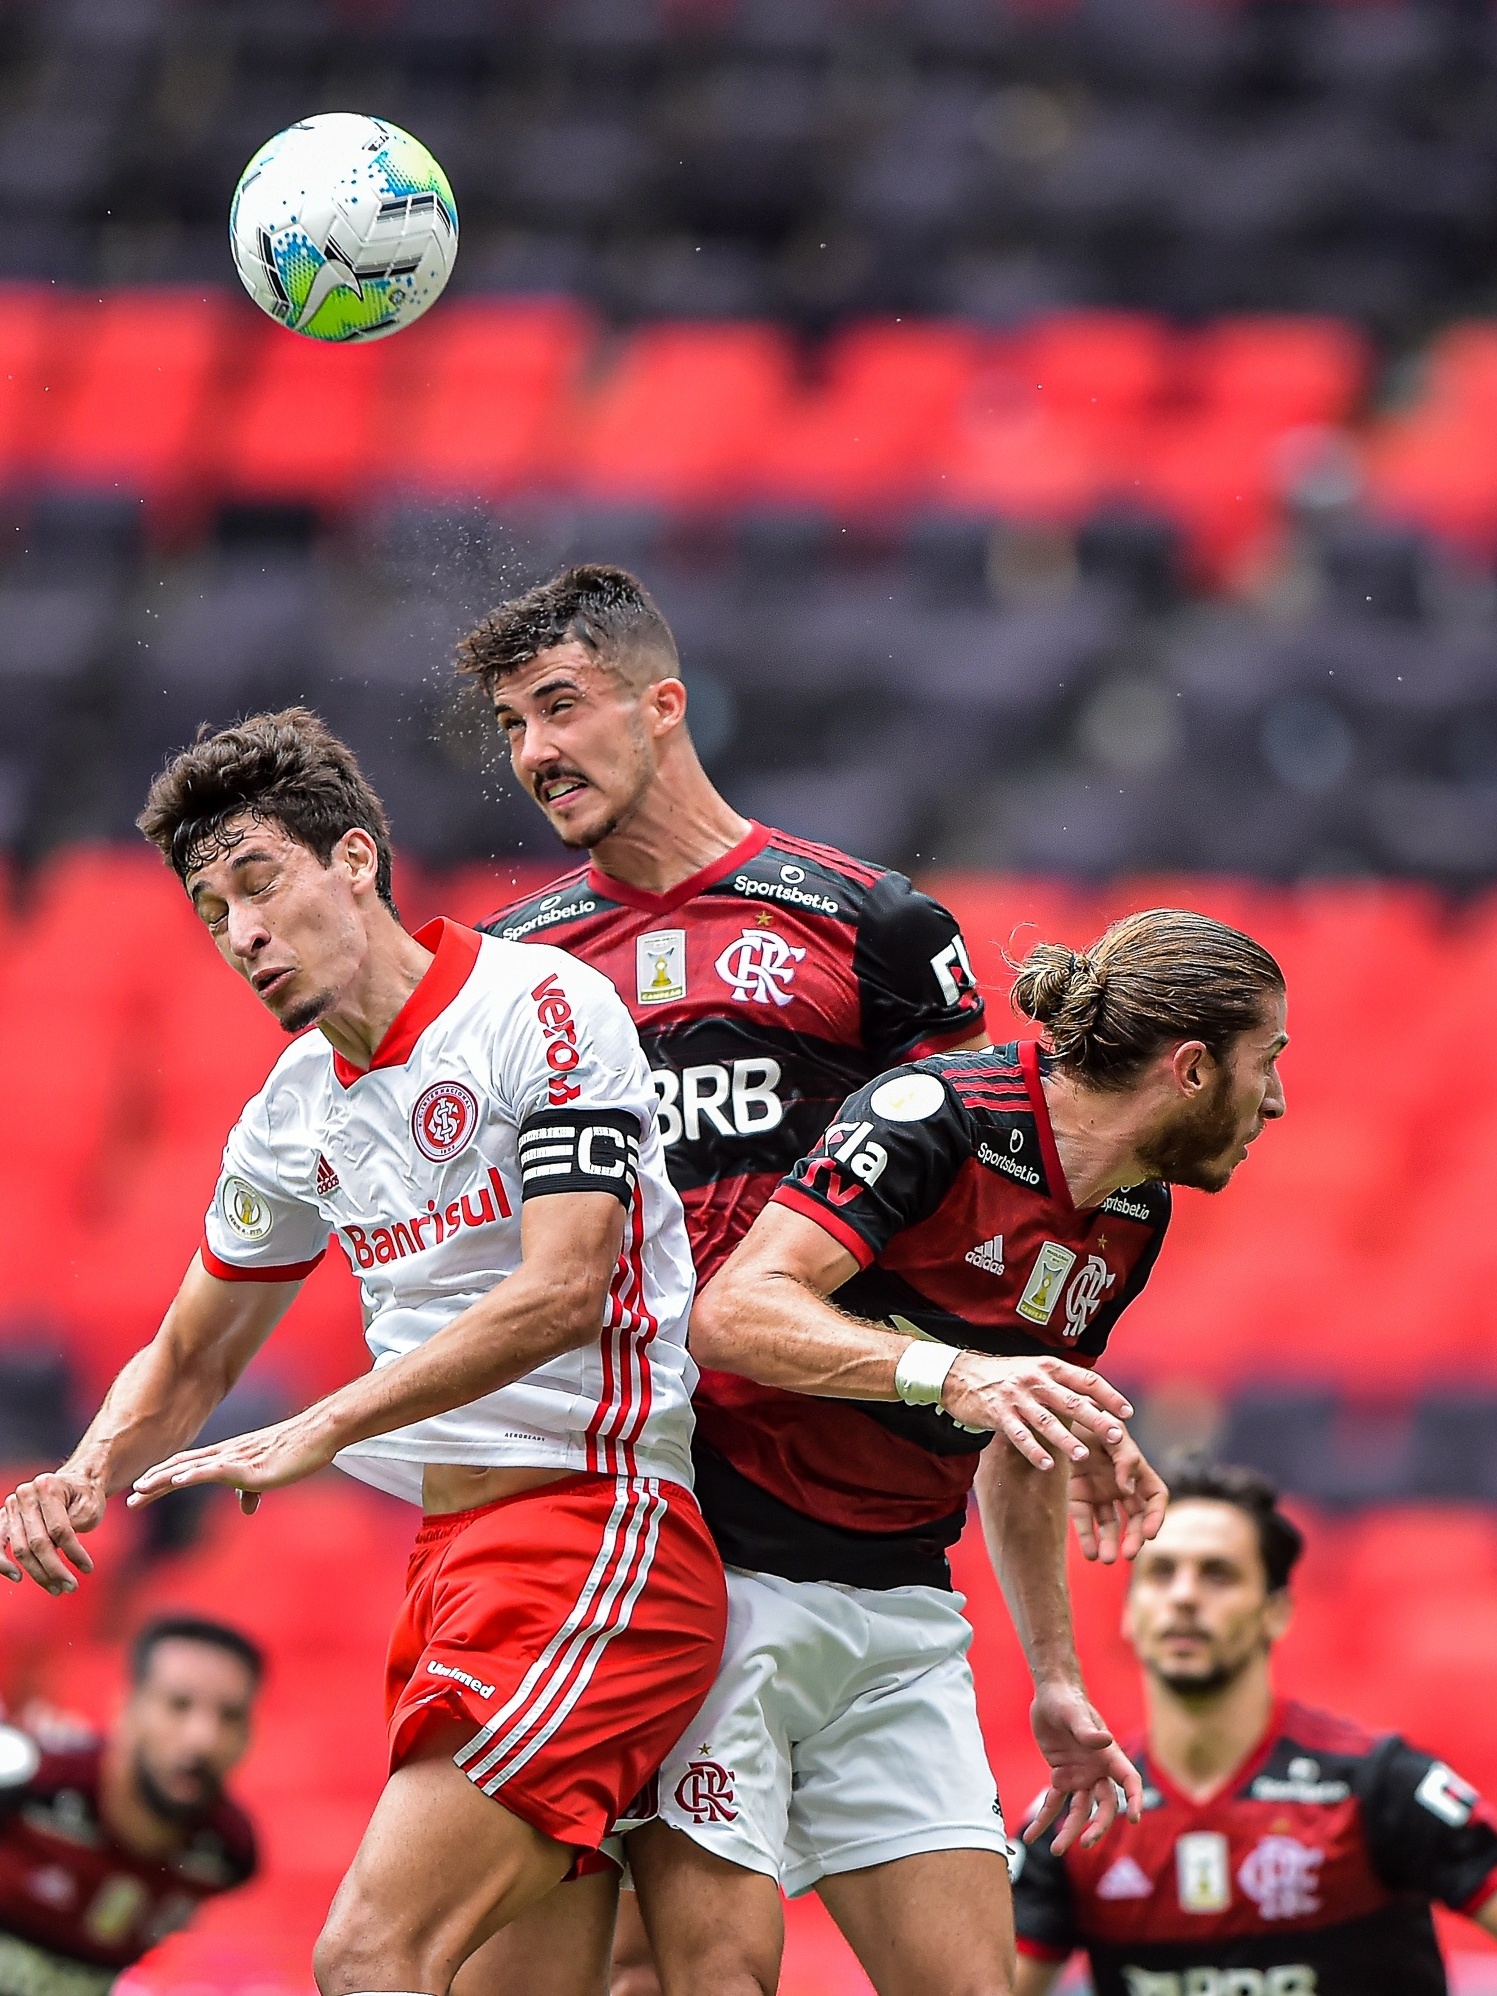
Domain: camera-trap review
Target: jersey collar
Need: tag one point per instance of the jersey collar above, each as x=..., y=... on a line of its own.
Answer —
x=1247, y=1769
x=454, y=953
x=754, y=842
x=1029, y=1062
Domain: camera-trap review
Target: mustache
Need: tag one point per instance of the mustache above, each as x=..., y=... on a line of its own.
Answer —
x=550, y=773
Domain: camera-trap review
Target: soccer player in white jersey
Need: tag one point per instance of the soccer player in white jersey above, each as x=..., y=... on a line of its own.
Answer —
x=475, y=1121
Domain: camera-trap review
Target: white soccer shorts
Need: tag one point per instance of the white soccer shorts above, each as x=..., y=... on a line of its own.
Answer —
x=841, y=1732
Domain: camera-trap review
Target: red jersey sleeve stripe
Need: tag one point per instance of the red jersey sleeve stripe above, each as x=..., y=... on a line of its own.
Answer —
x=840, y=1231
x=229, y=1271
x=1040, y=1950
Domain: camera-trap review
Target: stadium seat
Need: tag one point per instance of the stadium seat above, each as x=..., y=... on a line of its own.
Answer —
x=1276, y=371
x=306, y=423
x=868, y=436
x=137, y=410
x=483, y=397
x=35, y=347
x=682, y=415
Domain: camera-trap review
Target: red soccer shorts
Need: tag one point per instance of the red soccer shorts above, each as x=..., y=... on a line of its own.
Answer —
x=577, y=1627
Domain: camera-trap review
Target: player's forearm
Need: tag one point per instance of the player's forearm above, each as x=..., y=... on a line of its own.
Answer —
x=162, y=1396
x=773, y=1328
x=1023, y=1513
x=533, y=1316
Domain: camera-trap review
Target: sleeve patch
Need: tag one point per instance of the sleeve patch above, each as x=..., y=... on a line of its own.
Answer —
x=1445, y=1795
x=908, y=1098
x=579, y=1150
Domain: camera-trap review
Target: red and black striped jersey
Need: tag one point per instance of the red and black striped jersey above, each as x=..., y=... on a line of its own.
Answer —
x=764, y=988
x=76, y=1905
x=1309, y=1873
x=942, y=1181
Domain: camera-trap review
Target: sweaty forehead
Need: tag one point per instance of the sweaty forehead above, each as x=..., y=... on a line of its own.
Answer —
x=573, y=662
x=216, y=845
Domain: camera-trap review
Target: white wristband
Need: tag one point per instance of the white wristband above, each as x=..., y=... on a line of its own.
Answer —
x=921, y=1372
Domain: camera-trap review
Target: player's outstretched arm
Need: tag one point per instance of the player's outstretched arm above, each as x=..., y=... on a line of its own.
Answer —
x=552, y=1303
x=1024, y=1523
x=160, y=1399
x=766, y=1316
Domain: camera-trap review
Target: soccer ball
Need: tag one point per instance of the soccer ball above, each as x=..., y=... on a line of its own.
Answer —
x=343, y=228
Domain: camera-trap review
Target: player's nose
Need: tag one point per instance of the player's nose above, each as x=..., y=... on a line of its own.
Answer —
x=247, y=933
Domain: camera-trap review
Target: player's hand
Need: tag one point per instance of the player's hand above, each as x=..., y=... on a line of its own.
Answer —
x=1113, y=1518
x=1090, y=1775
x=266, y=1459
x=39, y=1529
x=1036, y=1403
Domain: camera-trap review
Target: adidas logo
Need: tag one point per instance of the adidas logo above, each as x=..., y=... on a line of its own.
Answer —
x=1124, y=1880
x=988, y=1256
x=327, y=1178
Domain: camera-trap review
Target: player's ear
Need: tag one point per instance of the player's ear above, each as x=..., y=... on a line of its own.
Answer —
x=1192, y=1066
x=357, y=852
x=1278, y=1613
x=665, y=701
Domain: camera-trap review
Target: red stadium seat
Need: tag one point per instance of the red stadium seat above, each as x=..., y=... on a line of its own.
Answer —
x=35, y=348
x=136, y=411
x=484, y=393
x=1110, y=364
x=1277, y=371
x=682, y=416
x=873, y=432
x=306, y=424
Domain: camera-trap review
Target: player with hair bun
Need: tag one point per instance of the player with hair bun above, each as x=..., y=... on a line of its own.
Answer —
x=1281, y=1851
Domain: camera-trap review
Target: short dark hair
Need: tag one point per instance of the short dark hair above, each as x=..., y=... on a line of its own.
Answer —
x=193, y=1629
x=1280, y=1540
x=607, y=610
x=289, y=768
x=1160, y=975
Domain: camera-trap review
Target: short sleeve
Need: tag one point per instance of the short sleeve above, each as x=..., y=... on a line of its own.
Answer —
x=1044, y=1921
x=915, y=980
x=573, y=1077
x=257, y=1231
x=886, y=1162
x=1428, y=1831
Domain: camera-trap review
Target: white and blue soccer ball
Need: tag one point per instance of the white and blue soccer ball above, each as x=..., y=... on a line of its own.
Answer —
x=343, y=228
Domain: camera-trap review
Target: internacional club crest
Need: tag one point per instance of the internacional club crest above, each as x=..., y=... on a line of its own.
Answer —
x=759, y=966
x=445, y=1116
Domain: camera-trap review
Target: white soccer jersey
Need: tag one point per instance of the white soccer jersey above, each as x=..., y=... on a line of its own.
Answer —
x=512, y=1071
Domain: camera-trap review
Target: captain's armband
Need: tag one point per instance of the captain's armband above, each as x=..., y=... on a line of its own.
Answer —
x=579, y=1150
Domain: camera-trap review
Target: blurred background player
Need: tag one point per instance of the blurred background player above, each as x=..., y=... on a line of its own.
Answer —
x=109, y=1845
x=1281, y=1851
x=767, y=976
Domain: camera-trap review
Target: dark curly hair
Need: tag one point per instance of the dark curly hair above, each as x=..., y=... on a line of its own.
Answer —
x=289, y=768
x=1164, y=974
x=606, y=610
x=1280, y=1540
